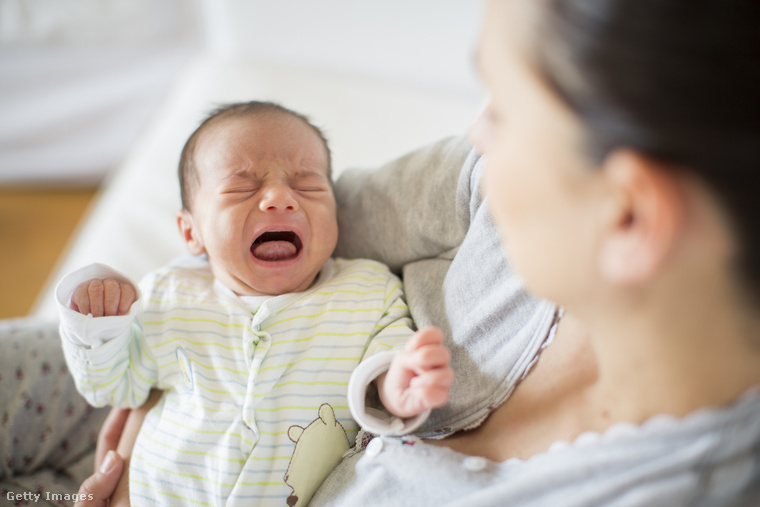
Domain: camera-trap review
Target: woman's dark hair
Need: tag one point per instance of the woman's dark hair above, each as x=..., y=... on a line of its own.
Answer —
x=677, y=80
x=188, y=172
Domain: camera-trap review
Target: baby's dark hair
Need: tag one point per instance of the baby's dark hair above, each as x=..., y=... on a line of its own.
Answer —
x=188, y=172
x=676, y=80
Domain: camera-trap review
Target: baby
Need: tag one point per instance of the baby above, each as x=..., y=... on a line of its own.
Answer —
x=255, y=342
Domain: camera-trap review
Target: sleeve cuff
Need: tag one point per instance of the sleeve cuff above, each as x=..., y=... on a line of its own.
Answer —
x=376, y=419
x=86, y=331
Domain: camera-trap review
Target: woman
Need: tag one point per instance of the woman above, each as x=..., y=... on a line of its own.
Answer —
x=620, y=139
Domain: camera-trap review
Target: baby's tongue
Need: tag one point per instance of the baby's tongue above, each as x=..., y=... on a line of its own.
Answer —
x=275, y=251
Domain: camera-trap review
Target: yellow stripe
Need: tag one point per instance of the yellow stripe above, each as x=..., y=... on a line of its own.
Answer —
x=206, y=432
x=183, y=285
x=297, y=407
x=166, y=493
x=296, y=340
x=212, y=304
x=189, y=476
x=193, y=453
x=318, y=359
x=102, y=386
x=220, y=391
x=133, y=367
x=185, y=319
x=358, y=293
x=215, y=344
x=217, y=368
x=395, y=288
x=190, y=402
x=330, y=310
x=344, y=278
x=281, y=433
x=100, y=370
x=304, y=383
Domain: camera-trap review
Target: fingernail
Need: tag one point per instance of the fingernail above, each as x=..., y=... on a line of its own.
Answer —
x=108, y=463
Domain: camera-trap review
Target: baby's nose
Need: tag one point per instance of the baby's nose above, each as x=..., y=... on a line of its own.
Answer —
x=278, y=197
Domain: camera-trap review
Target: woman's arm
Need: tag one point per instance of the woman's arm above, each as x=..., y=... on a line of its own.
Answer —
x=403, y=211
x=122, y=426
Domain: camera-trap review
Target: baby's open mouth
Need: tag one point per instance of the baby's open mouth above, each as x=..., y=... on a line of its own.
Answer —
x=276, y=246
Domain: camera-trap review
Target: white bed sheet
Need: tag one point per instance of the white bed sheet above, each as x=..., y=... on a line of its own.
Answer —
x=132, y=225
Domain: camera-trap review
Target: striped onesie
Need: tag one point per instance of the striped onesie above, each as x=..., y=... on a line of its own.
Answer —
x=255, y=409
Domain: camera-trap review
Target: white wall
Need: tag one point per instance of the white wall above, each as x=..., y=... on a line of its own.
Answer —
x=425, y=42
x=80, y=79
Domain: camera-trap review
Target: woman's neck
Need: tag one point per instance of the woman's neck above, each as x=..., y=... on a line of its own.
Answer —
x=674, y=352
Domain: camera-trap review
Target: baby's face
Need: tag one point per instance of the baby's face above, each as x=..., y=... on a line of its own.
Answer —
x=264, y=209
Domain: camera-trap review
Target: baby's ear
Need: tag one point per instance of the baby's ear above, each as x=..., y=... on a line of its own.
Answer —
x=190, y=233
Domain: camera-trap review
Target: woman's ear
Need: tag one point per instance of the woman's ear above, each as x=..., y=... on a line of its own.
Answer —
x=190, y=233
x=642, y=227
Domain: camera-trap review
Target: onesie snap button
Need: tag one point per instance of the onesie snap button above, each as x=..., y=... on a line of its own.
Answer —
x=475, y=463
x=374, y=447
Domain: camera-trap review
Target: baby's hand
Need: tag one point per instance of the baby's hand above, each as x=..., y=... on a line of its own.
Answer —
x=419, y=377
x=103, y=297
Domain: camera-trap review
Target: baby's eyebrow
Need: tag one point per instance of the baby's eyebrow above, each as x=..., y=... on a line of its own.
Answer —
x=248, y=172
x=243, y=172
x=308, y=173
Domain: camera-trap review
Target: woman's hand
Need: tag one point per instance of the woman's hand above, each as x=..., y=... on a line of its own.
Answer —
x=110, y=434
x=97, y=489
x=109, y=485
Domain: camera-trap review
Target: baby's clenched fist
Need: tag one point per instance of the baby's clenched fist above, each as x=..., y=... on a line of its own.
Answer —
x=103, y=298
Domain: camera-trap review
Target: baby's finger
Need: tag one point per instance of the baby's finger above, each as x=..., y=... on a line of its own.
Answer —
x=80, y=300
x=425, y=336
x=440, y=377
x=95, y=292
x=111, y=297
x=128, y=296
x=429, y=357
x=428, y=397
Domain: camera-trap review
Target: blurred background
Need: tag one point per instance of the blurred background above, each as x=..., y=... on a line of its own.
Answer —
x=81, y=79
